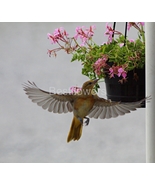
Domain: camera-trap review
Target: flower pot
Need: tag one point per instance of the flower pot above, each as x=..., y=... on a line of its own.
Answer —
x=130, y=91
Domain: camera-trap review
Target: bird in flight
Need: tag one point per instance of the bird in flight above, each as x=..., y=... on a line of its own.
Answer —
x=82, y=104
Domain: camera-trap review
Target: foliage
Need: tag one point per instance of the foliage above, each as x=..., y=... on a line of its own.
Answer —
x=116, y=57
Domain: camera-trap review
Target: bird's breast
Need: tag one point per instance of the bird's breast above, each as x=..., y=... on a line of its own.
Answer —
x=83, y=105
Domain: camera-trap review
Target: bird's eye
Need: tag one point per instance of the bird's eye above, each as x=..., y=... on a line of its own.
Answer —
x=89, y=83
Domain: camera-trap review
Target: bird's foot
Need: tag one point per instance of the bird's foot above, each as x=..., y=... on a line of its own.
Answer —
x=87, y=121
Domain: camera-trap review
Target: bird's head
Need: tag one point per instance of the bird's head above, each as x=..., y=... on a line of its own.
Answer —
x=88, y=86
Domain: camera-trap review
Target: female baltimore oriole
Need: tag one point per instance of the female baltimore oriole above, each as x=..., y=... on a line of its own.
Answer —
x=84, y=103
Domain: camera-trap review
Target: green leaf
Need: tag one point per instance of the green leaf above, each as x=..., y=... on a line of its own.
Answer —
x=74, y=57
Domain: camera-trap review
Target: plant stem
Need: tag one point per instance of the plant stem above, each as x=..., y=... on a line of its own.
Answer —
x=142, y=33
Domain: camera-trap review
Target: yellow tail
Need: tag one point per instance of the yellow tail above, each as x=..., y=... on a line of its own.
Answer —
x=75, y=130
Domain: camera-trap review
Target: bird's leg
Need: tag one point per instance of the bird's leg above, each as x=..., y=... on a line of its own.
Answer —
x=81, y=120
x=87, y=121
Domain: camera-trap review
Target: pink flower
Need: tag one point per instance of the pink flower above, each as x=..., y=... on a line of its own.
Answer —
x=131, y=40
x=84, y=34
x=109, y=32
x=129, y=25
x=59, y=34
x=121, y=44
x=53, y=52
x=105, y=43
x=134, y=24
x=75, y=89
x=122, y=73
x=111, y=72
x=99, y=64
x=117, y=70
x=141, y=23
x=51, y=38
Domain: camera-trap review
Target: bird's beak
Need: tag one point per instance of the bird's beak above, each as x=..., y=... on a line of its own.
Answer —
x=95, y=81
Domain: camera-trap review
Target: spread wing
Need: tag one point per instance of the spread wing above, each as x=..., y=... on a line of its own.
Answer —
x=107, y=109
x=57, y=103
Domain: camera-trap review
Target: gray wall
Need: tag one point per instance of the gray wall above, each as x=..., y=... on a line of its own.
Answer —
x=30, y=134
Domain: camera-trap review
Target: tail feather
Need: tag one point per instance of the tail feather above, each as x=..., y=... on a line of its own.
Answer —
x=75, y=130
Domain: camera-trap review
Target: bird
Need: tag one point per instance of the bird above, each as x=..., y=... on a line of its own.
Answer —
x=84, y=103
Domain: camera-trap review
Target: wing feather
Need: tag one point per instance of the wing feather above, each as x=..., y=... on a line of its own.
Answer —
x=65, y=109
x=43, y=101
x=103, y=113
x=93, y=111
x=109, y=109
x=51, y=106
x=47, y=103
x=97, y=113
x=114, y=113
x=57, y=103
x=121, y=111
x=108, y=113
x=60, y=110
x=56, y=107
x=69, y=106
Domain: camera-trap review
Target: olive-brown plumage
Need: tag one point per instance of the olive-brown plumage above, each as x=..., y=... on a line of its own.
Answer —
x=85, y=103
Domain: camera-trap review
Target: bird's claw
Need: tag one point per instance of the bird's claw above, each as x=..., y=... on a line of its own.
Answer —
x=87, y=121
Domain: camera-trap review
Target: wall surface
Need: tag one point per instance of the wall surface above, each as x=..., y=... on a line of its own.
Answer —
x=30, y=134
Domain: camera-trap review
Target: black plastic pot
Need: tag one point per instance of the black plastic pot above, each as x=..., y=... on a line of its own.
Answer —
x=130, y=91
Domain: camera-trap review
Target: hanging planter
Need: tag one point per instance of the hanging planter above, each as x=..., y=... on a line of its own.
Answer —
x=120, y=61
x=133, y=88
x=130, y=91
